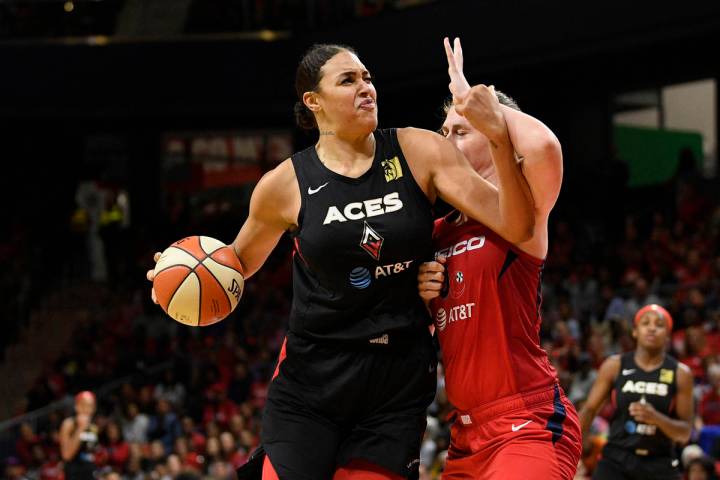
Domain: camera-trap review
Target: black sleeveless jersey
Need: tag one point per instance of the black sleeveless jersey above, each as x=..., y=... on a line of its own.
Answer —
x=88, y=444
x=82, y=465
x=658, y=387
x=358, y=248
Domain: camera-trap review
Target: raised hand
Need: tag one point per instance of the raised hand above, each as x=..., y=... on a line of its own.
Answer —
x=459, y=86
x=482, y=109
x=83, y=420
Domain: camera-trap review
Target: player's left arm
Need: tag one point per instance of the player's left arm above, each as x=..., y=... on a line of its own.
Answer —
x=541, y=157
x=677, y=429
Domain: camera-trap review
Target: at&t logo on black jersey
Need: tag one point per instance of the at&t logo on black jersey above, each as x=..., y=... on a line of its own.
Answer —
x=361, y=278
x=368, y=208
x=639, y=428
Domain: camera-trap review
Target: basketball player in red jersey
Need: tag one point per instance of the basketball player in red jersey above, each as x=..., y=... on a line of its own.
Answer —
x=512, y=420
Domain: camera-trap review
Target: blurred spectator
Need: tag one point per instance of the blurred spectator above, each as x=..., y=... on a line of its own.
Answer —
x=174, y=467
x=170, y=389
x=641, y=296
x=219, y=407
x=709, y=406
x=135, y=426
x=239, y=388
x=229, y=449
x=164, y=425
x=702, y=468
x=583, y=379
x=24, y=445
x=14, y=469
x=195, y=439
x=116, y=449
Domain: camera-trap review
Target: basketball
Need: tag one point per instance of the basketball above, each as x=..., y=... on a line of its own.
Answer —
x=198, y=281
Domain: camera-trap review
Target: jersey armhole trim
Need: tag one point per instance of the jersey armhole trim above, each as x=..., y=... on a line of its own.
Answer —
x=301, y=212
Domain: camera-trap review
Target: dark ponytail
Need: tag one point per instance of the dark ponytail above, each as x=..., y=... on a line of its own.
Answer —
x=308, y=76
x=304, y=117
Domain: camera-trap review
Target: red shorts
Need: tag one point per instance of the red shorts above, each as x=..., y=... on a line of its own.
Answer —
x=528, y=436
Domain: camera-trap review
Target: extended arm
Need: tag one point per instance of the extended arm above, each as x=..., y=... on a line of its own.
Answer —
x=273, y=210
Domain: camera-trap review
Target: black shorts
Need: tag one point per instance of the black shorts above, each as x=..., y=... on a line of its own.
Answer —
x=620, y=464
x=331, y=404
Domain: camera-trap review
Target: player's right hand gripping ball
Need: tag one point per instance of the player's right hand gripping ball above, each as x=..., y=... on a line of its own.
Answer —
x=198, y=281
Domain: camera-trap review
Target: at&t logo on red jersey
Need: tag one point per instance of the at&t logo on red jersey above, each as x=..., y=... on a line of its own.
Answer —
x=444, y=318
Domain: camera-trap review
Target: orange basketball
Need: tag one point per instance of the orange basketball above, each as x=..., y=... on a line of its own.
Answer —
x=198, y=281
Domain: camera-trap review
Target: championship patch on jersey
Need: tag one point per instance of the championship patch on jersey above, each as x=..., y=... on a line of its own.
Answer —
x=392, y=169
x=667, y=376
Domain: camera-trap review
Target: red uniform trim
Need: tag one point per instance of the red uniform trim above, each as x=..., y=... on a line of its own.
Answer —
x=268, y=472
x=281, y=357
x=364, y=470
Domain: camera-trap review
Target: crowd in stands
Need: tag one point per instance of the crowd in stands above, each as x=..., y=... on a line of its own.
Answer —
x=200, y=415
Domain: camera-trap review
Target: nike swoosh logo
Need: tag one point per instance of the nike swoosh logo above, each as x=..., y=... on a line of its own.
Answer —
x=522, y=425
x=628, y=371
x=312, y=191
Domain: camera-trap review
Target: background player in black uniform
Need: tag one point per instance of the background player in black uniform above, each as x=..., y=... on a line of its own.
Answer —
x=652, y=393
x=357, y=370
x=79, y=439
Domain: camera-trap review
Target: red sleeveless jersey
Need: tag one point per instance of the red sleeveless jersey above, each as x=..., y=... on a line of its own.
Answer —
x=488, y=316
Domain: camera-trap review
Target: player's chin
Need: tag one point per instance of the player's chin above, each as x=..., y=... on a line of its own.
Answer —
x=654, y=341
x=367, y=118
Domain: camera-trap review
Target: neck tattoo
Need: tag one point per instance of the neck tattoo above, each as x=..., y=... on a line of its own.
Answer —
x=326, y=132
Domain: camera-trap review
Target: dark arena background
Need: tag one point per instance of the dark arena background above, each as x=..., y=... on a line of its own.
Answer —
x=128, y=124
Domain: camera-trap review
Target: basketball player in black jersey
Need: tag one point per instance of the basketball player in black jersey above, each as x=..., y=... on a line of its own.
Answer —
x=357, y=370
x=652, y=394
x=79, y=439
